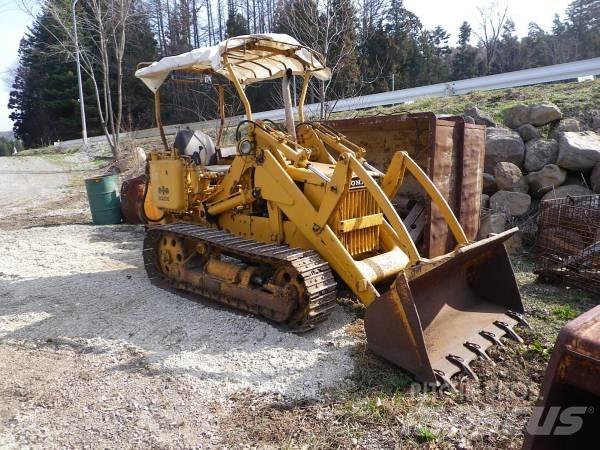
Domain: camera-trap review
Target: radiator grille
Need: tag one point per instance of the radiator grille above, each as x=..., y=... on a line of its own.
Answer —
x=357, y=203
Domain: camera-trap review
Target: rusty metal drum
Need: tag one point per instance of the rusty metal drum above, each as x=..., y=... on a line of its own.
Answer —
x=132, y=199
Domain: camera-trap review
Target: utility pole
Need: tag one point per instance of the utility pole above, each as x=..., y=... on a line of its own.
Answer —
x=81, y=105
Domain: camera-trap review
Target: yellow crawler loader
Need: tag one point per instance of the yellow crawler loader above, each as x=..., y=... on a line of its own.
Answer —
x=273, y=226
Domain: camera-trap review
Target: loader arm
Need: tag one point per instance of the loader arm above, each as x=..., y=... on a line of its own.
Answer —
x=394, y=177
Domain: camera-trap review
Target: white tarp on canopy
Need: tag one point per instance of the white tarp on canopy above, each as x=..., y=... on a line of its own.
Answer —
x=252, y=58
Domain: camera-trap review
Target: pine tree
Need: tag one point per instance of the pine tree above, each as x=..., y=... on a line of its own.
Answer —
x=584, y=25
x=342, y=49
x=236, y=24
x=45, y=96
x=404, y=29
x=464, y=63
x=375, y=61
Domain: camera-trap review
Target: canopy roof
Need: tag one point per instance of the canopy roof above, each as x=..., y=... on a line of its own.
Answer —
x=253, y=58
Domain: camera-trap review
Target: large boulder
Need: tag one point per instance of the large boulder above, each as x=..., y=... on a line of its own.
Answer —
x=540, y=153
x=480, y=117
x=595, y=179
x=570, y=124
x=543, y=113
x=503, y=145
x=528, y=132
x=512, y=203
x=492, y=223
x=578, y=150
x=489, y=184
x=510, y=178
x=485, y=201
x=572, y=190
x=544, y=180
x=516, y=115
x=576, y=178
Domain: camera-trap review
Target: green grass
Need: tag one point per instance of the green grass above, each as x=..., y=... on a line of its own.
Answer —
x=564, y=312
x=426, y=435
x=50, y=151
x=536, y=349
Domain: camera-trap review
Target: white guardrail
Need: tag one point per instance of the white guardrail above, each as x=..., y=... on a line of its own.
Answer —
x=557, y=72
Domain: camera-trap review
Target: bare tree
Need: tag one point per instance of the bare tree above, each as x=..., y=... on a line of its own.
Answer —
x=103, y=26
x=323, y=26
x=492, y=20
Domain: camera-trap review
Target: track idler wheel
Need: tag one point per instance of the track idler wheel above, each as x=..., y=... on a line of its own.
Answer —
x=171, y=256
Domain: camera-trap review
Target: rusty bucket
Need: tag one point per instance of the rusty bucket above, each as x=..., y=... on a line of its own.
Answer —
x=439, y=316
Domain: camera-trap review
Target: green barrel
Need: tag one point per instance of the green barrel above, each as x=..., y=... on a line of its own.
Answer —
x=105, y=202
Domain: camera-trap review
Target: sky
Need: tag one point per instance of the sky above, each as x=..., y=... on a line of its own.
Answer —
x=447, y=13
x=451, y=13
x=13, y=23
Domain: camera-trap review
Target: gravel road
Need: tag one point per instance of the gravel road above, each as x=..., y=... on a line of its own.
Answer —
x=84, y=335
x=29, y=180
x=35, y=190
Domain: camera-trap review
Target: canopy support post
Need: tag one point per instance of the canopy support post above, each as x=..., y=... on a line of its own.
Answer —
x=158, y=121
x=303, y=97
x=221, y=91
x=240, y=90
x=287, y=104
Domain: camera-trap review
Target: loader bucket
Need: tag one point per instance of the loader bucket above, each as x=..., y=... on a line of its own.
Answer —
x=434, y=321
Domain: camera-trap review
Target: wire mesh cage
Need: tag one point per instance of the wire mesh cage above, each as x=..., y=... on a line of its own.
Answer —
x=568, y=243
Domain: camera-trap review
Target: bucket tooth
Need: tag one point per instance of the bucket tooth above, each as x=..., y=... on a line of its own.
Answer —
x=492, y=337
x=508, y=330
x=476, y=348
x=444, y=381
x=519, y=318
x=464, y=366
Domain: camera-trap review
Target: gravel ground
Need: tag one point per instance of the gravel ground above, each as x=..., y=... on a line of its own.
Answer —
x=93, y=356
x=39, y=191
x=75, y=301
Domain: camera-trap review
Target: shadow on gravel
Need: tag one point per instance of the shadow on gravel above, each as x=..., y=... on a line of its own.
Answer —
x=112, y=310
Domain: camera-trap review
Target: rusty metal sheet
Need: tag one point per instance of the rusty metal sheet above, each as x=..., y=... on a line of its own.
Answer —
x=472, y=178
x=442, y=171
x=571, y=380
x=448, y=150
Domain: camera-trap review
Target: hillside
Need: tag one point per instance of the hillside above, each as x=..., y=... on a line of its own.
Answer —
x=572, y=98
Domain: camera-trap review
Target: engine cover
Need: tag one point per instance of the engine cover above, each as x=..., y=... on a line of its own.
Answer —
x=167, y=180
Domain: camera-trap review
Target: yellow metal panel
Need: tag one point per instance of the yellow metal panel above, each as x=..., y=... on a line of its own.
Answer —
x=271, y=188
x=358, y=223
x=167, y=179
x=259, y=229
